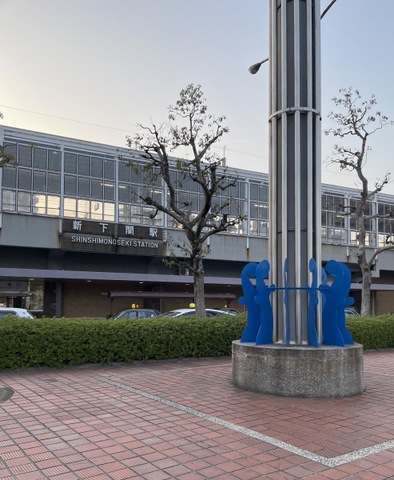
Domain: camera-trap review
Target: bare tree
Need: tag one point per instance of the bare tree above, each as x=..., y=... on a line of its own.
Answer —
x=357, y=120
x=180, y=152
x=4, y=157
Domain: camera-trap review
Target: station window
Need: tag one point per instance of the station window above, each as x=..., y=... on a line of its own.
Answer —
x=258, y=209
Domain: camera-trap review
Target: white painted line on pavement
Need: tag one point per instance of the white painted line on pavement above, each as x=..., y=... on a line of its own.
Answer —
x=329, y=462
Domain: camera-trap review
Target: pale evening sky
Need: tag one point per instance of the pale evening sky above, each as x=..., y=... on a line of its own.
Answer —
x=93, y=69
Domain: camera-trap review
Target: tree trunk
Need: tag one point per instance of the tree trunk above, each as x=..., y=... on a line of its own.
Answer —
x=366, y=291
x=362, y=254
x=199, y=294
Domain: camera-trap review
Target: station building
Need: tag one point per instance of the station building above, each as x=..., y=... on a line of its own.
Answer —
x=76, y=240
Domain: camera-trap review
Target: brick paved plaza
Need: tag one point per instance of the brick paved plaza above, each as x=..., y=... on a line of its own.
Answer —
x=185, y=420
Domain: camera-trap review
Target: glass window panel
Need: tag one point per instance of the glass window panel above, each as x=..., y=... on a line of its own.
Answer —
x=70, y=207
x=135, y=214
x=264, y=193
x=188, y=184
x=135, y=173
x=109, y=211
x=339, y=220
x=159, y=219
x=39, y=204
x=353, y=222
x=24, y=202
x=39, y=181
x=9, y=177
x=124, y=213
x=264, y=212
x=9, y=200
x=135, y=194
x=24, y=156
x=254, y=191
x=109, y=169
x=264, y=229
x=53, y=205
x=54, y=160
x=97, y=167
x=96, y=210
x=24, y=179
x=40, y=158
x=253, y=227
x=225, y=209
x=254, y=210
x=124, y=172
x=147, y=214
x=54, y=183
x=70, y=185
x=173, y=176
x=242, y=189
x=124, y=193
x=109, y=191
x=70, y=162
x=83, y=208
x=83, y=165
x=10, y=149
x=83, y=187
x=157, y=180
x=97, y=189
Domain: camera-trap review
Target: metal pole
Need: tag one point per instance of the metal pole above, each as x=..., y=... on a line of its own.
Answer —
x=294, y=158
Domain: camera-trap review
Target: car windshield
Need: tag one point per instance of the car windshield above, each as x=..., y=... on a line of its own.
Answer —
x=4, y=313
x=178, y=313
x=189, y=313
x=135, y=313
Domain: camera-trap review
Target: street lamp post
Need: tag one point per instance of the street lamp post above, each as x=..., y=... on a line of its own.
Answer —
x=294, y=158
x=295, y=342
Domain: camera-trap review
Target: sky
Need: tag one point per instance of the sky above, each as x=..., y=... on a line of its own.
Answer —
x=95, y=69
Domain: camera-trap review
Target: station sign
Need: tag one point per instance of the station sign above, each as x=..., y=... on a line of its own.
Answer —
x=116, y=238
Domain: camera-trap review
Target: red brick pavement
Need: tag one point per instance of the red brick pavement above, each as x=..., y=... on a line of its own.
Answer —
x=185, y=420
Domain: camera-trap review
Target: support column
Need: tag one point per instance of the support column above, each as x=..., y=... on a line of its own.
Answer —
x=295, y=196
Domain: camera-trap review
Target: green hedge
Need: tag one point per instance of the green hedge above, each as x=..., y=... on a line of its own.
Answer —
x=55, y=342
x=372, y=332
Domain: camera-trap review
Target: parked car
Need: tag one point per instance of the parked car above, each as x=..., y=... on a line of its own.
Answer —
x=231, y=311
x=351, y=312
x=132, y=313
x=18, y=312
x=186, y=312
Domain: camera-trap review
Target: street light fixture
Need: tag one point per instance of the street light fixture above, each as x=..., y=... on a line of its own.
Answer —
x=256, y=67
x=253, y=69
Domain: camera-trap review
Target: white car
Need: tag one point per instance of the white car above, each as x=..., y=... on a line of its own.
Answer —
x=18, y=312
x=187, y=312
x=133, y=313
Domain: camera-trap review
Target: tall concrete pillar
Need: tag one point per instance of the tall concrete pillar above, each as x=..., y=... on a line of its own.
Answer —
x=295, y=175
x=292, y=365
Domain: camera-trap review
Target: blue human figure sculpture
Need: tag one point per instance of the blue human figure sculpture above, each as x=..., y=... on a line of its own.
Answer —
x=313, y=302
x=334, y=330
x=264, y=335
x=347, y=301
x=286, y=302
x=252, y=308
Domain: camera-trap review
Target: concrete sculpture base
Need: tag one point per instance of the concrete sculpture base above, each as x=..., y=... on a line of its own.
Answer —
x=299, y=371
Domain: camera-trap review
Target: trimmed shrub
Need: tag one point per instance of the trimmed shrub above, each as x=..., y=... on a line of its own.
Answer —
x=372, y=332
x=57, y=342
x=54, y=342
